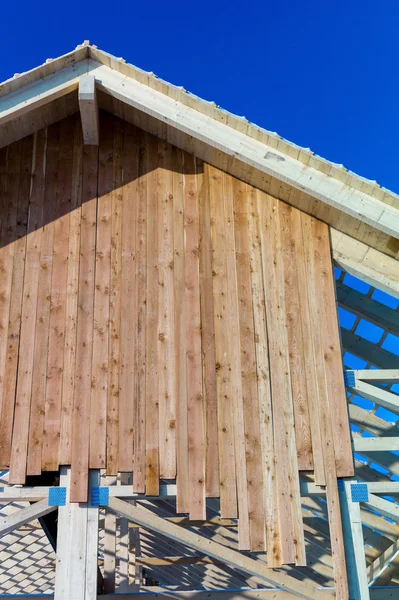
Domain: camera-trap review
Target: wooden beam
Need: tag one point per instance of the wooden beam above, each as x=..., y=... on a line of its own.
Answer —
x=24, y=515
x=378, y=375
x=377, y=395
x=379, y=565
x=383, y=487
x=148, y=520
x=366, y=263
x=89, y=110
x=354, y=545
x=377, y=313
x=386, y=508
x=376, y=444
x=368, y=351
x=31, y=494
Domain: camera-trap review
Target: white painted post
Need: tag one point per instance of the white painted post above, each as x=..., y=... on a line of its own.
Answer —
x=77, y=546
x=354, y=544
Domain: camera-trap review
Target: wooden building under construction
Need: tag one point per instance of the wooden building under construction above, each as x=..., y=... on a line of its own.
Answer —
x=174, y=408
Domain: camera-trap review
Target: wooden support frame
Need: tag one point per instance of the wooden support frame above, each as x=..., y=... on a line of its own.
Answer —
x=380, y=396
x=88, y=106
x=149, y=520
x=354, y=545
x=384, y=507
x=378, y=566
x=376, y=444
x=367, y=350
x=365, y=307
x=77, y=544
x=24, y=515
x=378, y=375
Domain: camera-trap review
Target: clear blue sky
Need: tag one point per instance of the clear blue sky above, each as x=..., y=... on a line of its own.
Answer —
x=323, y=74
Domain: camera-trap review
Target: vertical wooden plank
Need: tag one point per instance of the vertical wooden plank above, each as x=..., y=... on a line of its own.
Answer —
x=139, y=468
x=332, y=353
x=288, y=495
x=100, y=358
x=115, y=305
x=195, y=408
x=32, y=270
x=295, y=341
x=39, y=371
x=81, y=405
x=71, y=308
x=212, y=486
x=152, y=396
x=167, y=404
x=273, y=542
x=55, y=360
x=228, y=491
x=248, y=368
x=3, y=305
x=182, y=477
x=127, y=394
x=233, y=341
x=311, y=384
x=7, y=249
x=21, y=424
x=318, y=315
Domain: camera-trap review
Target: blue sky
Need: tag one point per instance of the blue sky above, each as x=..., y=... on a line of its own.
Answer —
x=322, y=74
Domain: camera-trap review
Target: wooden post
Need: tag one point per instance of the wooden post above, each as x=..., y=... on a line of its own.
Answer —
x=125, y=479
x=109, y=544
x=77, y=545
x=354, y=544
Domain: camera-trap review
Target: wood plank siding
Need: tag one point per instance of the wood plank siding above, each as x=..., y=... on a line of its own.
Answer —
x=159, y=316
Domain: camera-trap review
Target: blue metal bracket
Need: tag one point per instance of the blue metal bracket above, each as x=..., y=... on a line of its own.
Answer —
x=340, y=483
x=359, y=492
x=99, y=496
x=349, y=379
x=57, y=496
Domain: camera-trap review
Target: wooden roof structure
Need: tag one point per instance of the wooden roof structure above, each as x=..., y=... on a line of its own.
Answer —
x=266, y=186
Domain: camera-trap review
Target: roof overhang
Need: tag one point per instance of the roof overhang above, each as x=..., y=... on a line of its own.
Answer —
x=364, y=217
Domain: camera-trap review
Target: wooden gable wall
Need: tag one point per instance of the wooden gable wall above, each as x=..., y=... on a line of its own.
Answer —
x=162, y=317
